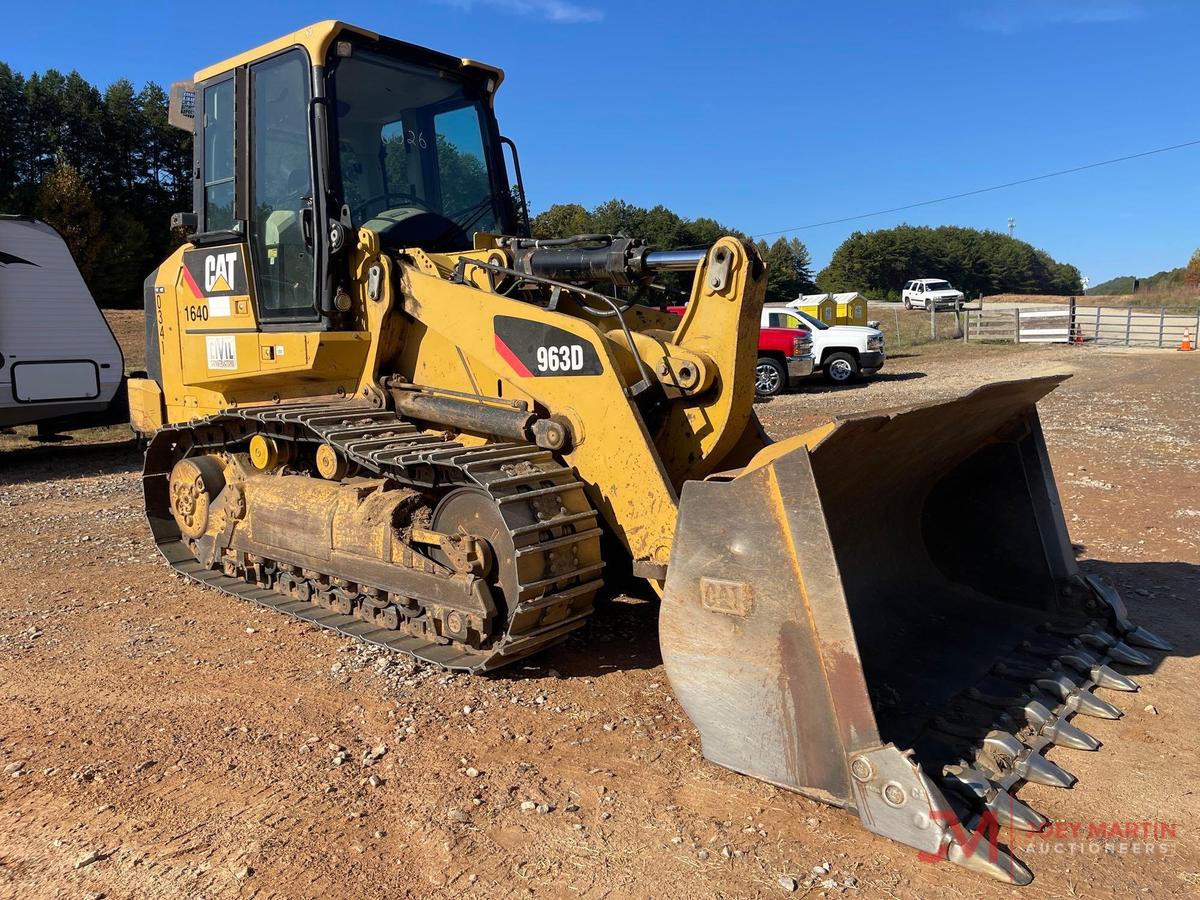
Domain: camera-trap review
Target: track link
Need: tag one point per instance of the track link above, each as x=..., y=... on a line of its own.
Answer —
x=553, y=527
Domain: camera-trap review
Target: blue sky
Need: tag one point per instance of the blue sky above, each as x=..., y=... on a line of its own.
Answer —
x=771, y=115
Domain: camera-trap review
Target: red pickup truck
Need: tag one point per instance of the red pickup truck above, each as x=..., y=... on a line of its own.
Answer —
x=785, y=357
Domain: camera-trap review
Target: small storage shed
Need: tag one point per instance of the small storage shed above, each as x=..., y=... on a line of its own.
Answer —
x=822, y=307
x=846, y=308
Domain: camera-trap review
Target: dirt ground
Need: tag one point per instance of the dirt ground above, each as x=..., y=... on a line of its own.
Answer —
x=163, y=740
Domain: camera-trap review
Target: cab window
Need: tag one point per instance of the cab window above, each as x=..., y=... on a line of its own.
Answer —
x=218, y=156
x=281, y=193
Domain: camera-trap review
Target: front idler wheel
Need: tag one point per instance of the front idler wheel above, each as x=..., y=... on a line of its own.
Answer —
x=194, y=484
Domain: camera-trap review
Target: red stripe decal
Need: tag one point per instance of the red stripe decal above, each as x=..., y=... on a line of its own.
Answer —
x=187, y=276
x=511, y=359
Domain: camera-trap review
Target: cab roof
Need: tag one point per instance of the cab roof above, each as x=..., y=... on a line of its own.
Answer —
x=317, y=39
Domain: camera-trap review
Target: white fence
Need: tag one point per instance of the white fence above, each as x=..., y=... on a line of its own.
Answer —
x=1113, y=325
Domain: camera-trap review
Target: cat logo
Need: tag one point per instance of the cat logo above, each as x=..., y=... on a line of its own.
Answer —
x=219, y=271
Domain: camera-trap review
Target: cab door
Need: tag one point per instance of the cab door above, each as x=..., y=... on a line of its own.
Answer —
x=280, y=192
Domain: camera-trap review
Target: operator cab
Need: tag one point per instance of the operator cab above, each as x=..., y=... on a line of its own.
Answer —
x=343, y=127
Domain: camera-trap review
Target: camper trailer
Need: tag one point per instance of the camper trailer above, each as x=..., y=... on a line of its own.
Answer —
x=60, y=366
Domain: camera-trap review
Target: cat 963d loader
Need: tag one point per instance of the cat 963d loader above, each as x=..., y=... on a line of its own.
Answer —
x=374, y=403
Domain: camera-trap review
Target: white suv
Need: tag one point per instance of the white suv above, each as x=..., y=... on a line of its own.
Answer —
x=922, y=292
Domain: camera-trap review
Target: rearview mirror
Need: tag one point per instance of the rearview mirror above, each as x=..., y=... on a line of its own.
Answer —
x=181, y=108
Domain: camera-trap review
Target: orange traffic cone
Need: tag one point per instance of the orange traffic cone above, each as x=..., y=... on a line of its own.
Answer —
x=1186, y=343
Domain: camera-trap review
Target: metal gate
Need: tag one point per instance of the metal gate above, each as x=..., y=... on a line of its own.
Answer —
x=1126, y=326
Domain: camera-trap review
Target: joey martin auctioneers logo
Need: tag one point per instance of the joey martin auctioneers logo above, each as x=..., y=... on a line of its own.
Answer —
x=1065, y=838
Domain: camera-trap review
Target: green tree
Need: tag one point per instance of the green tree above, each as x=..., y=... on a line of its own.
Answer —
x=1191, y=274
x=12, y=134
x=878, y=263
x=562, y=220
x=123, y=166
x=65, y=202
x=789, y=268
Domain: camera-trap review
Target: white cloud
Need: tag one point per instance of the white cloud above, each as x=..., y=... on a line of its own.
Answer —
x=562, y=12
x=1010, y=16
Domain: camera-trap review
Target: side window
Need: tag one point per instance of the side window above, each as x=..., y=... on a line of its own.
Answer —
x=218, y=156
x=792, y=322
x=775, y=320
x=462, y=170
x=281, y=190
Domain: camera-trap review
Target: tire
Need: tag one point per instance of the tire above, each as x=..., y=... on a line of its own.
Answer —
x=841, y=368
x=907, y=303
x=770, y=377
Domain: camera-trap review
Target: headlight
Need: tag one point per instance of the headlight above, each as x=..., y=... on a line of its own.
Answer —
x=875, y=342
x=800, y=346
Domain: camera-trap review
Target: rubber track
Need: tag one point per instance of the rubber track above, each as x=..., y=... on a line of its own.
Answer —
x=383, y=444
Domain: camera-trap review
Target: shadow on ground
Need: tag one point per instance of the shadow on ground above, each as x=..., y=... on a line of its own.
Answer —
x=69, y=460
x=824, y=388
x=623, y=632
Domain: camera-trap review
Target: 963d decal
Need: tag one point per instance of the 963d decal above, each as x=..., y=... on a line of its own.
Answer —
x=536, y=350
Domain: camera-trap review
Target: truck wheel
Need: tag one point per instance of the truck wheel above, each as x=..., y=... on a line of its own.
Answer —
x=907, y=303
x=770, y=377
x=840, y=368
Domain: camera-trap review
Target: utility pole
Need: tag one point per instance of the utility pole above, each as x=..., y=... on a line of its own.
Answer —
x=1012, y=223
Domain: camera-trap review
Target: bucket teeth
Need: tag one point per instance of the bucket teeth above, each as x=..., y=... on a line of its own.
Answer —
x=1028, y=764
x=1037, y=714
x=1012, y=813
x=1064, y=734
x=1143, y=638
x=1057, y=729
x=1008, y=810
x=1036, y=768
x=1110, y=678
x=1080, y=700
x=987, y=859
x=1123, y=653
x=1087, y=664
x=1118, y=651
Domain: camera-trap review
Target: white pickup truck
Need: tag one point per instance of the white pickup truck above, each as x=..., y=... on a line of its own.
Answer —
x=843, y=353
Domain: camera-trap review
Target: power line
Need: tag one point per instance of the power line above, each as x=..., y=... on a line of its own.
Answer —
x=995, y=187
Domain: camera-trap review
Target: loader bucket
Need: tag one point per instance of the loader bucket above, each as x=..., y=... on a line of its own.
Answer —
x=885, y=614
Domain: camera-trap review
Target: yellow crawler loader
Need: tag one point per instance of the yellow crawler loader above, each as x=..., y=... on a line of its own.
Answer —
x=376, y=404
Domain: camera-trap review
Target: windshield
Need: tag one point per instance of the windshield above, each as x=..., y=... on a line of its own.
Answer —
x=412, y=151
x=938, y=286
x=809, y=320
